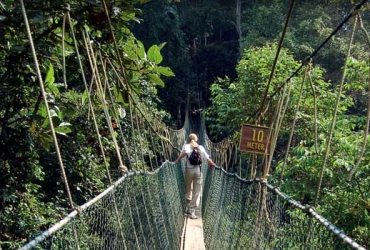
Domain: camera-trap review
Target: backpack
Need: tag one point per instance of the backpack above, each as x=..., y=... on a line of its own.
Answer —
x=195, y=157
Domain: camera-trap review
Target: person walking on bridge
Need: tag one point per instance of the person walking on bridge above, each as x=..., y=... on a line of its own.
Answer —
x=193, y=173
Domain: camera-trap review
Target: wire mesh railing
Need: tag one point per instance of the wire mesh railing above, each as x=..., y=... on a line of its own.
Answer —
x=250, y=214
x=140, y=211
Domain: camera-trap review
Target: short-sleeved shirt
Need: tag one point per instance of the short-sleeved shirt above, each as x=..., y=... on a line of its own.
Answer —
x=187, y=148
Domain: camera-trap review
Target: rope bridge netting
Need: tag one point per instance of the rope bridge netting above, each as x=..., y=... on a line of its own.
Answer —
x=145, y=210
x=140, y=211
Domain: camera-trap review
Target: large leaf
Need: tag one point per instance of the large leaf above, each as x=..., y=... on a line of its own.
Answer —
x=166, y=71
x=63, y=128
x=45, y=140
x=120, y=96
x=140, y=50
x=154, y=54
x=50, y=75
x=155, y=79
x=55, y=119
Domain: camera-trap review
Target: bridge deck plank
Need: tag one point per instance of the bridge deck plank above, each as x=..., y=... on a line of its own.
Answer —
x=194, y=239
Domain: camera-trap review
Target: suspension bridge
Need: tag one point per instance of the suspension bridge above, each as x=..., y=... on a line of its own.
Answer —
x=144, y=208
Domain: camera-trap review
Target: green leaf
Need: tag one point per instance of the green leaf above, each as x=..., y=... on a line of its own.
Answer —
x=46, y=123
x=50, y=75
x=140, y=50
x=42, y=111
x=84, y=97
x=154, y=54
x=120, y=96
x=53, y=113
x=155, y=79
x=166, y=71
x=53, y=88
x=45, y=140
x=162, y=45
x=63, y=128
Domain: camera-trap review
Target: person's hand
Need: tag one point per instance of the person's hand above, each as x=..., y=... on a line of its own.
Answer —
x=211, y=165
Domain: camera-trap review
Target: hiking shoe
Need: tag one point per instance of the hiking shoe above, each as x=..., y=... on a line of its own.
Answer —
x=193, y=216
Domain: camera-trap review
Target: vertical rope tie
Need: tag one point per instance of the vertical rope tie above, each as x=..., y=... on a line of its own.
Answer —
x=366, y=130
x=93, y=64
x=119, y=56
x=331, y=131
x=315, y=112
x=277, y=121
x=63, y=46
x=117, y=117
x=41, y=83
x=293, y=126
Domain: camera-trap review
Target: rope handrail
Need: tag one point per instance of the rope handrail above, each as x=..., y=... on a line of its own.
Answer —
x=311, y=212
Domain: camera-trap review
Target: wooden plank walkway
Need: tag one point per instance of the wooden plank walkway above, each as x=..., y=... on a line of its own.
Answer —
x=192, y=238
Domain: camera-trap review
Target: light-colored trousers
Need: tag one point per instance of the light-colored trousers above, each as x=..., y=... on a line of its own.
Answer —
x=193, y=184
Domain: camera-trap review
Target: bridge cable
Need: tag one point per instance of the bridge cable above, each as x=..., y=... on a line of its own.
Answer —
x=136, y=149
x=119, y=57
x=277, y=121
x=89, y=97
x=93, y=64
x=139, y=108
x=276, y=57
x=309, y=58
x=267, y=160
x=63, y=47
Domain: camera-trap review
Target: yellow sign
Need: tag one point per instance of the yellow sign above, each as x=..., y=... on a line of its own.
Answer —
x=255, y=139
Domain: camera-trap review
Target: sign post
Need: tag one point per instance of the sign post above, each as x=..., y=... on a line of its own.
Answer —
x=255, y=139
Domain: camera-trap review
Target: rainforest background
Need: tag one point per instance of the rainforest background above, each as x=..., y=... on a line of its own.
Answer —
x=217, y=53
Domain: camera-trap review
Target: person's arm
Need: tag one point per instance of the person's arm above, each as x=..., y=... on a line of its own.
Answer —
x=206, y=155
x=211, y=163
x=182, y=155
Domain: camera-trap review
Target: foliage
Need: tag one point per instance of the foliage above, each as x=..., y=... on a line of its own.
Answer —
x=239, y=102
x=340, y=201
x=201, y=45
x=236, y=102
x=161, y=24
x=260, y=30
